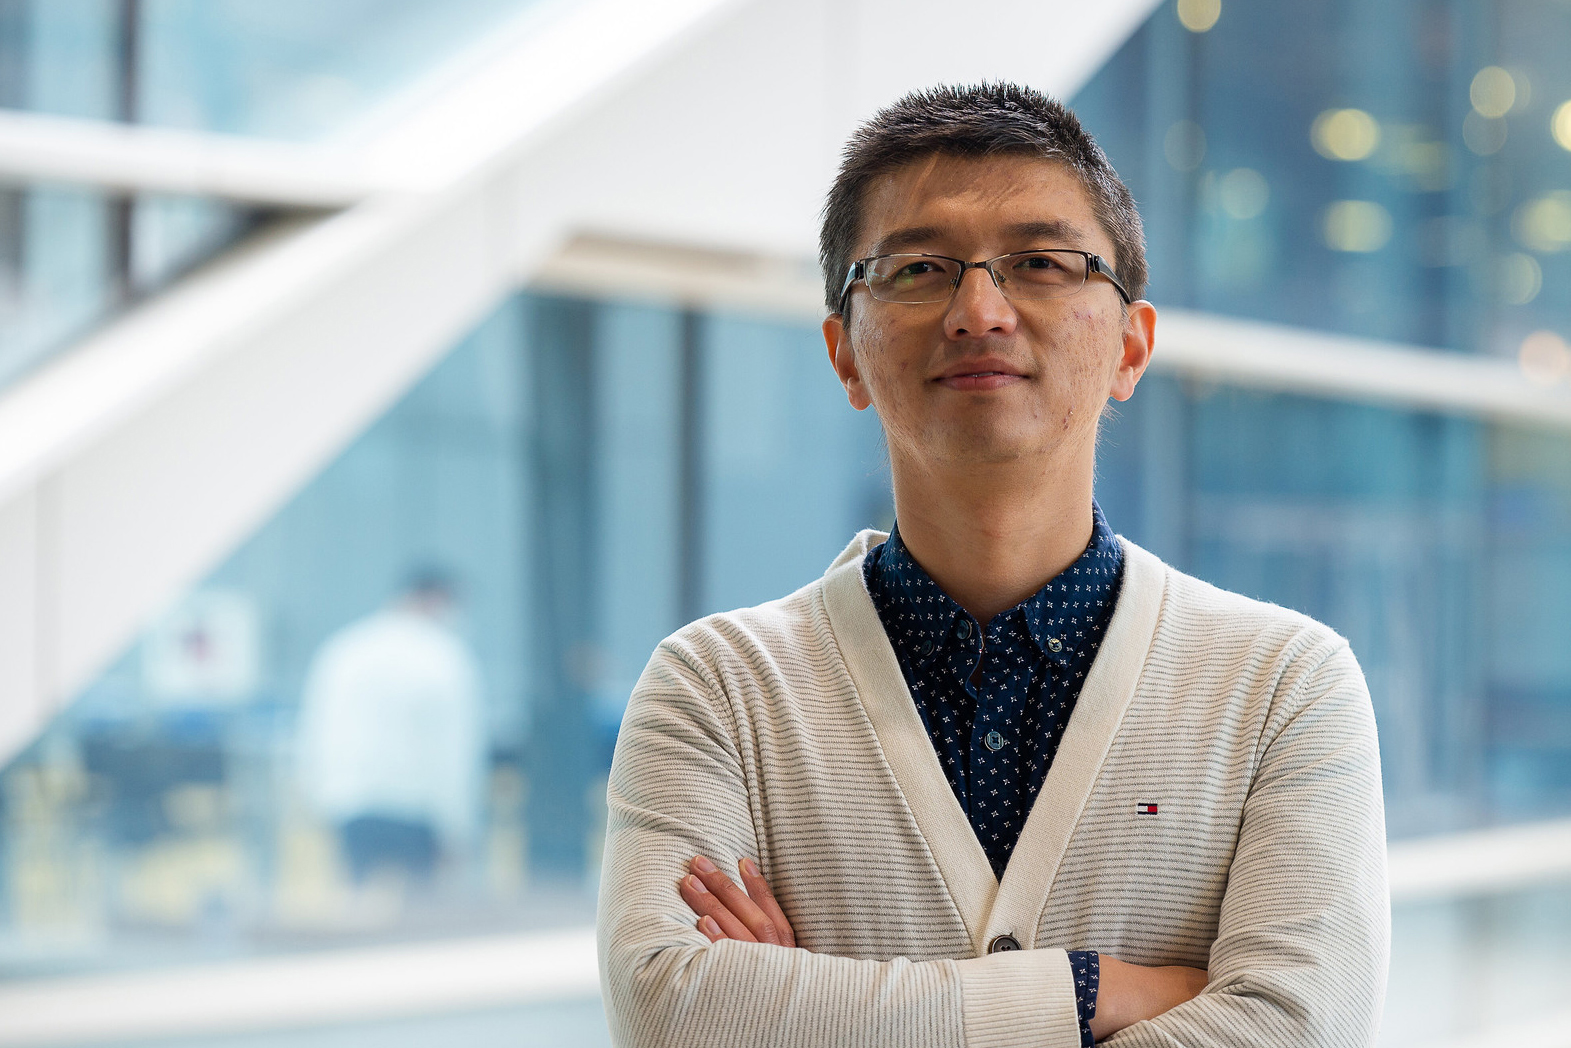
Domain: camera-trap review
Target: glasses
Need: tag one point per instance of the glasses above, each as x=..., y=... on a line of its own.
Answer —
x=915, y=279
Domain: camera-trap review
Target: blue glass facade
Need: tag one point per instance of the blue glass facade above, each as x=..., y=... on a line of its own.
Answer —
x=1394, y=172
x=589, y=475
x=541, y=468
x=1395, y=169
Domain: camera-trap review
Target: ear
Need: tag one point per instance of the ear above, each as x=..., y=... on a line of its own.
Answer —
x=1135, y=353
x=843, y=360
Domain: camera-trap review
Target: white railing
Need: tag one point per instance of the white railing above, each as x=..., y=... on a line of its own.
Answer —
x=316, y=989
x=391, y=982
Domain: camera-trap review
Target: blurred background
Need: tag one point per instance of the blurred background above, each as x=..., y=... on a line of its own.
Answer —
x=380, y=381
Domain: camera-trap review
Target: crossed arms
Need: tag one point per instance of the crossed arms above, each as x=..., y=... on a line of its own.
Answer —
x=1130, y=993
x=1297, y=959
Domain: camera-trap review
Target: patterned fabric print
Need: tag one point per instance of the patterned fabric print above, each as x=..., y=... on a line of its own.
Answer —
x=996, y=699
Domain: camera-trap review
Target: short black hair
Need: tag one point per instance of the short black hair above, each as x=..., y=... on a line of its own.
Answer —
x=981, y=120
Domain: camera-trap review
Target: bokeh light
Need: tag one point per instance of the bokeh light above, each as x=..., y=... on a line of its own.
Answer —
x=1484, y=135
x=1519, y=279
x=1560, y=125
x=1544, y=224
x=1199, y=15
x=1243, y=193
x=1184, y=145
x=1493, y=91
x=1359, y=226
x=1544, y=358
x=1344, y=134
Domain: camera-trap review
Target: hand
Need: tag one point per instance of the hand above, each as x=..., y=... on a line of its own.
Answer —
x=725, y=912
x=1132, y=993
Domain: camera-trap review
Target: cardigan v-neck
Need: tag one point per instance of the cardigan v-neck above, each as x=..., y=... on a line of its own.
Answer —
x=991, y=907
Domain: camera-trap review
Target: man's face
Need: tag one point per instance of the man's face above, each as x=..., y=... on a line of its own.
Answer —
x=982, y=379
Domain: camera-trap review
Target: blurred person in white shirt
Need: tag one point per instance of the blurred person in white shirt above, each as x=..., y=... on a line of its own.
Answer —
x=390, y=744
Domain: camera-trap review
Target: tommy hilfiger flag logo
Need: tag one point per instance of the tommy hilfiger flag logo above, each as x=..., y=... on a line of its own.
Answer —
x=1145, y=808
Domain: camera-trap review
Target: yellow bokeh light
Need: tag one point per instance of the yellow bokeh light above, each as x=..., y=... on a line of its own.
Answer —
x=1544, y=358
x=1356, y=225
x=1199, y=15
x=1344, y=134
x=1544, y=224
x=1493, y=91
x=1560, y=125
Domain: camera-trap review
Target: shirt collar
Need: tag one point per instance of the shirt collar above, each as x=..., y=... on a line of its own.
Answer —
x=1059, y=617
x=1062, y=614
x=925, y=613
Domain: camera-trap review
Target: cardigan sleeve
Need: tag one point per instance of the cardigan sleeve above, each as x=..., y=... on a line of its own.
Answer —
x=1303, y=936
x=676, y=790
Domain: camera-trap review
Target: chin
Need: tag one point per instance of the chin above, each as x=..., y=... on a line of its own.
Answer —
x=994, y=448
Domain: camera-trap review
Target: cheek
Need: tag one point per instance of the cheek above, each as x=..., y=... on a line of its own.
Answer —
x=872, y=337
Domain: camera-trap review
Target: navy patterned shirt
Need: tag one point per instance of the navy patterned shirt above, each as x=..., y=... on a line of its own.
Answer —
x=996, y=698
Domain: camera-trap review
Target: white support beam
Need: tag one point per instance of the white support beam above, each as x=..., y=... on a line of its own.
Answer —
x=134, y=158
x=1482, y=862
x=1205, y=346
x=1277, y=357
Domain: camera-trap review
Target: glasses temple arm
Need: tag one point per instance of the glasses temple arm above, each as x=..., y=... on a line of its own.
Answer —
x=1099, y=265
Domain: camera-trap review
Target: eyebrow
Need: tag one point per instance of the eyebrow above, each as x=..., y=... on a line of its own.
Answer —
x=1054, y=230
x=1038, y=234
x=900, y=239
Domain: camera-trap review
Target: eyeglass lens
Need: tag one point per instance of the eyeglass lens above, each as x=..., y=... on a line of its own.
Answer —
x=931, y=278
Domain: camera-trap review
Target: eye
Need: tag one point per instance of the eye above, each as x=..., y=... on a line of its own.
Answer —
x=1039, y=262
x=919, y=268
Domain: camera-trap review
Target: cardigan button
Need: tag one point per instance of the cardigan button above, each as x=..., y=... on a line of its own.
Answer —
x=1003, y=944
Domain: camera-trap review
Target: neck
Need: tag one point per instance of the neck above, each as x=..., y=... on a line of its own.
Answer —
x=992, y=536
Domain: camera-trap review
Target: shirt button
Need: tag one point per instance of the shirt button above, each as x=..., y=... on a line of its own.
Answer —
x=925, y=647
x=1003, y=944
x=1055, y=645
x=995, y=742
x=965, y=629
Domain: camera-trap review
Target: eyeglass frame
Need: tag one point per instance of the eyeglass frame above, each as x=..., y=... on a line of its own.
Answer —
x=1094, y=264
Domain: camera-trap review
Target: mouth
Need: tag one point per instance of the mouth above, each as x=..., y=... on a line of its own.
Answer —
x=974, y=375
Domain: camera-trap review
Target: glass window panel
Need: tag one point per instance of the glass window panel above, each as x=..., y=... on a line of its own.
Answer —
x=278, y=68
x=778, y=422
x=72, y=257
x=1349, y=181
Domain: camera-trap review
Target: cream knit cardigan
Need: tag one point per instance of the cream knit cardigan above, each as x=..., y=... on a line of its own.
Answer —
x=786, y=732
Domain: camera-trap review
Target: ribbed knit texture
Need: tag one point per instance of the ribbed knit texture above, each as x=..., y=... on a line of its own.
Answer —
x=786, y=733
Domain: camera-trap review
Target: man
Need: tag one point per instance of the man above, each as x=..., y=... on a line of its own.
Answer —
x=998, y=778
x=391, y=736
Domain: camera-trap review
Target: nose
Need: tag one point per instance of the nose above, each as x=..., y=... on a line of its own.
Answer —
x=979, y=308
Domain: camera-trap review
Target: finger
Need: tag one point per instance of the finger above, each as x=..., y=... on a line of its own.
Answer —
x=704, y=903
x=758, y=889
x=736, y=900
x=708, y=926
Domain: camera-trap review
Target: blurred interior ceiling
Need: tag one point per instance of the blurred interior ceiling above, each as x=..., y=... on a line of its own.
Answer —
x=133, y=462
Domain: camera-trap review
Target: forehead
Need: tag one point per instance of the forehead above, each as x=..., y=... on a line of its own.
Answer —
x=970, y=204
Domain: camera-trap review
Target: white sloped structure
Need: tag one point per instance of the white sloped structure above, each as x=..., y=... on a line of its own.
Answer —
x=131, y=464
